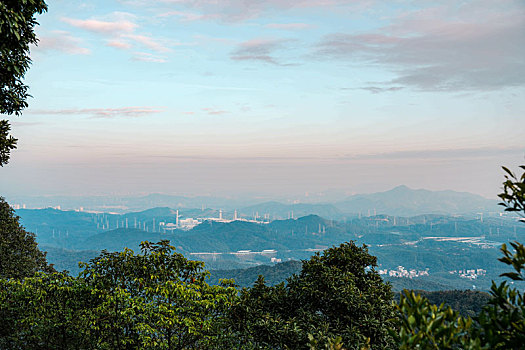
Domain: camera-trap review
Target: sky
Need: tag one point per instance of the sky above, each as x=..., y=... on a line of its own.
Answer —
x=271, y=97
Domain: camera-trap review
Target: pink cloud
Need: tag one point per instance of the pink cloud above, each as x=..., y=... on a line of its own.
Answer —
x=121, y=33
x=103, y=27
x=149, y=42
x=62, y=41
x=119, y=44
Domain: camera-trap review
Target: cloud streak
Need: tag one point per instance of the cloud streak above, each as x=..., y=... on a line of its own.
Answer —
x=189, y=16
x=149, y=42
x=261, y=50
x=420, y=155
x=289, y=26
x=213, y=111
x=103, y=113
x=377, y=89
x=148, y=57
x=103, y=27
x=458, y=153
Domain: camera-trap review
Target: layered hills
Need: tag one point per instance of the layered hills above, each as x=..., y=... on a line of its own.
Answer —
x=444, y=245
x=401, y=200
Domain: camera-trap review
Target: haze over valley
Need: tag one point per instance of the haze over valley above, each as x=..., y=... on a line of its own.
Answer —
x=430, y=240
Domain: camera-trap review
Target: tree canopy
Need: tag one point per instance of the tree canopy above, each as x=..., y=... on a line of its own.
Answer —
x=337, y=294
x=156, y=299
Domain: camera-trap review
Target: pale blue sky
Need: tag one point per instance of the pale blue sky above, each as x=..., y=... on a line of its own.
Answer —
x=205, y=96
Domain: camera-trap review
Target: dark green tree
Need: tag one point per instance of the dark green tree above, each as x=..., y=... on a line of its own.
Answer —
x=337, y=294
x=19, y=253
x=17, y=23
x=156, y=299
x=47, y=311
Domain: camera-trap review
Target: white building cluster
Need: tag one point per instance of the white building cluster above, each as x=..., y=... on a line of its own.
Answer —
x=189, y=223
x=471, y=274
x=400, y=271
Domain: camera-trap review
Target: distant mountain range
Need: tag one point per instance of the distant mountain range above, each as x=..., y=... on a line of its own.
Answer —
x=404, y=201
x=398, y=201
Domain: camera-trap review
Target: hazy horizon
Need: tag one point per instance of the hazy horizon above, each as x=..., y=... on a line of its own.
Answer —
x=228, y=200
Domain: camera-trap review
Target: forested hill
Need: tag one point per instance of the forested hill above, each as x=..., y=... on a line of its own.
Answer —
x=441, y=245
x=246, y=277
x=467, y=302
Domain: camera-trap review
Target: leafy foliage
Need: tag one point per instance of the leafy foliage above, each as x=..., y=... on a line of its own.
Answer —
x=156, y=299
x=19, y=253
x=17, y=23
x=7, y=142
x=502, y=321
x=336, y=294
x=513, y=195
x=427, y=326
x=48, y=311
x=153, y=300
